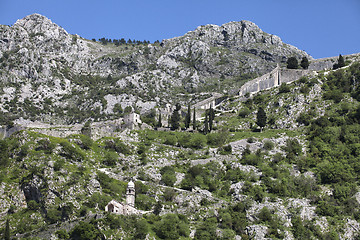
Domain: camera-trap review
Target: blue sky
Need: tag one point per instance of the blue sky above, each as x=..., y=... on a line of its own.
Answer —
x=323, y=28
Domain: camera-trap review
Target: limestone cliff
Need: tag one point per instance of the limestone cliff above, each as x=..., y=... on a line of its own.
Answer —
x=46, y=70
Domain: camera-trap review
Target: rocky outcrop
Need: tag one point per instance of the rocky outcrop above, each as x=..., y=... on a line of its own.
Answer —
x=51, y=69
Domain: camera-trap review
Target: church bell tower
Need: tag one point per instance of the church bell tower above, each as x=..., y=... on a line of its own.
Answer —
x=130, y=194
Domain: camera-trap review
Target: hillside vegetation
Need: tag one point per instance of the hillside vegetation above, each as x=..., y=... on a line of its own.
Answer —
x=295, y=179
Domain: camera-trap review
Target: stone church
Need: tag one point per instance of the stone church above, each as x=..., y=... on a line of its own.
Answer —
x=124, y=209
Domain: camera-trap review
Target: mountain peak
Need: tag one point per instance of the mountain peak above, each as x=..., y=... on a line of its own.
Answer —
x=37, y=23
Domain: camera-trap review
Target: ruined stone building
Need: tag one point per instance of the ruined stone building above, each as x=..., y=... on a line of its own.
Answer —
x=132, y=120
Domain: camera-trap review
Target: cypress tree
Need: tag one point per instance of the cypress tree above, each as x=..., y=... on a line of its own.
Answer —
x=211, y=118
x=341, y=61
x=194, y=120
x=292, y=63
x=261, y=118
x=159, y=121
x=206, y=125
x=175, y=118
x=7, y=230
x=304, y=63
x=188, y=117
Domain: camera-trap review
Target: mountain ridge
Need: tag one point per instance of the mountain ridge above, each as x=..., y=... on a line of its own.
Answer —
x=43, y=65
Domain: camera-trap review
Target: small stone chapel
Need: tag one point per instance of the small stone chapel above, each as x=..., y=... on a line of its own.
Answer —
x=124, y=209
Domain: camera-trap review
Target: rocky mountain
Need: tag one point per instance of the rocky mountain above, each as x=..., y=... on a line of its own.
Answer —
x=43, y=67
x=280, y=163
x=298, y=178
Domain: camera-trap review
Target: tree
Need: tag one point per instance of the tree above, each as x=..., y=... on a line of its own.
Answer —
x=86, y=129
x=86, y=231
x=7, y=230
x=284, y=88
x=168, y=176
x=194, y=120
x=128, y=109
x=304, y=63
x=261, y=118
x=159, y=123
x=142, y=229
x=175, y=118
x=206, y=124
x=340, y=63
x=4, y=153
x=118, y=109
x=171, y=227
x=292, y=63
x=211, y=118
x=188, y=117
x=157, y=208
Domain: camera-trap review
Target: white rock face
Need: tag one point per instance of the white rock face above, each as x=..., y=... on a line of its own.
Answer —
x=51, y=67
x=307, y=212
x=257, y=232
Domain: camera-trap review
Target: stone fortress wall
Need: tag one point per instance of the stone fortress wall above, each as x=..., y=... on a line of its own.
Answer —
x=273, y=79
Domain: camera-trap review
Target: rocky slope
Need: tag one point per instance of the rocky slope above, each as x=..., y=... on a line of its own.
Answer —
x=43, y=67
x=297, y=179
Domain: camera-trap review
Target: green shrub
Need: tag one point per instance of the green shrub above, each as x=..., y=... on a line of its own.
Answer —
x=217, y=139
x=141, y=188
x=86, y=142
x=194, y=141
x=62, y=234
x=4, y=153
x=284, y=88
x=244, y=112
x=207, y=229
x=168, y=176
x=265, y=215
x=251, y=159
x=111, y=158
x=59, y=164
x=336, y=95
x=144, y=202
x=118, y=146
x=112, y=186
x=259, y=99
x=169, y=194
x=293, y=148
x=98, y=199
x=53, y=215
x=171, y=139
x=72, y=152
x=305, y=118
x=172, y=227
x=33, y=205
x=85, y=231
x=141, y=229
x=268, y=145
x=225, y=150
x=45, y=145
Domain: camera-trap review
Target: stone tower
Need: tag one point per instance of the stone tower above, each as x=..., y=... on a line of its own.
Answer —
x=130, y=194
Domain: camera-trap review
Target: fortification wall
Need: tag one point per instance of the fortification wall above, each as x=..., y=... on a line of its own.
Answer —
x=290, y=75
x=273, y=79
x=5, y=132
x=263, y=82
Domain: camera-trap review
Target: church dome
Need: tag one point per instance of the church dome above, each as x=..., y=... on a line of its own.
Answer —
x=131, y=184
